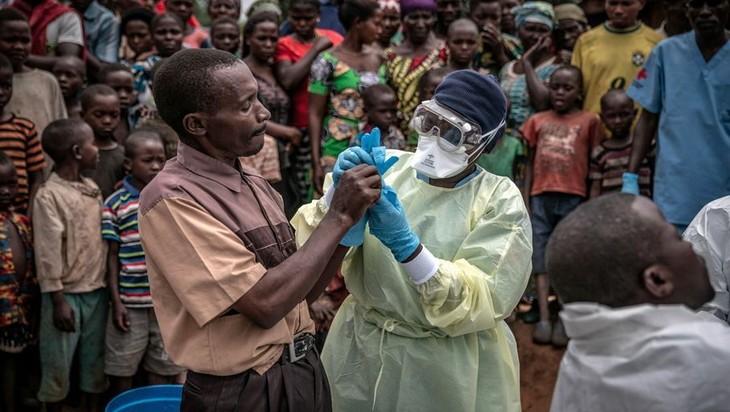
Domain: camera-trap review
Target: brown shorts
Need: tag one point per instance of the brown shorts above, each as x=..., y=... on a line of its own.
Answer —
x=300, y=386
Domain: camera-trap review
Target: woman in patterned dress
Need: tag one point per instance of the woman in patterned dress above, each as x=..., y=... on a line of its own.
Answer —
x=337, y=79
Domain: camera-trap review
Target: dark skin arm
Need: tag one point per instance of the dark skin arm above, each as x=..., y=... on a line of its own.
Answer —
x=119, y=311
x=290, y=75
x=595, y=189
x=47, y=62
x=63, y=315
x=317, y=109
x=280, y=131
x=645, y=130
x=529, y=173
x=539, y=94
x=34, y=182
x=278, y=292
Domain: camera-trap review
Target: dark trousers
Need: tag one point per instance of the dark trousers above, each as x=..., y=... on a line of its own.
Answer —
x=299, y=386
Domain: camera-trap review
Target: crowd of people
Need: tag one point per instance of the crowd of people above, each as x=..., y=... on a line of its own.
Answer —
x=521, y=121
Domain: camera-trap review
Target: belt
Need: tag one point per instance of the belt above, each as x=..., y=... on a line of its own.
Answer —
x=299, y=347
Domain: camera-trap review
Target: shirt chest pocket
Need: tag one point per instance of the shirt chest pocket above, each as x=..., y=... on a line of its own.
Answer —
x=270, y=245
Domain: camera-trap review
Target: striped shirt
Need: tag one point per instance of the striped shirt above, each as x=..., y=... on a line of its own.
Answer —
x=119, y=224
x=608, y=165
x=19, y=140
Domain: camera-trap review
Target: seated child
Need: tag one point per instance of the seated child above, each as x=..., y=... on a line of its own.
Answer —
x=119, y=77
x=381, y=111
x=132, y=335
x=709, y=234
x=226, y=35
x=70, y=258
x=630, y=287
x=19, y=291
x=610, y=159
x=266, y=161
x=19, y=141
x=70, y=71
x=100, y=110
x=560, y=142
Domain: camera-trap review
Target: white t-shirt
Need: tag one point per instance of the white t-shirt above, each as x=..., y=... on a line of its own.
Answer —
x=67, y=28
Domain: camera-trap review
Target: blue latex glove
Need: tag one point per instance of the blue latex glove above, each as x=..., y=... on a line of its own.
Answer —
x=631, y=183
x=389, y=224
x=370, y=142
x=348, y=159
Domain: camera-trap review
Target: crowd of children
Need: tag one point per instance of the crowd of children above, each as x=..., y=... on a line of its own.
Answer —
x=80, y=137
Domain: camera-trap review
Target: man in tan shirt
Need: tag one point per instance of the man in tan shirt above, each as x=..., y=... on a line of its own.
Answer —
x=228, y=285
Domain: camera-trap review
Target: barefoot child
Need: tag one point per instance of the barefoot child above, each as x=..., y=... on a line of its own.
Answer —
x=70, y=256
x=132, y=333
x=560, y=143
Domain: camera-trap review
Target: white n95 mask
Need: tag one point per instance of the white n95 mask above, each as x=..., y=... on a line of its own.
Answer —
x=437, y=163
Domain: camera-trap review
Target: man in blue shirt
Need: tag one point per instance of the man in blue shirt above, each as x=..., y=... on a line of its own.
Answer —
x=683, y=89
x=102, y=30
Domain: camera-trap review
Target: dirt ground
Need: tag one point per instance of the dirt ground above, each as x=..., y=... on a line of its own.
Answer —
x=538, y=369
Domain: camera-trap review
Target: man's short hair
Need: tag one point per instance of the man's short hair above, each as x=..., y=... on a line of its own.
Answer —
x=59, y=136
x=92, y=91
x=599, y=252
x=184, y=84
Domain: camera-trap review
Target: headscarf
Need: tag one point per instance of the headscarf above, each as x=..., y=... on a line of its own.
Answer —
x=259, y=6
x=407, y=6
x=570, y=11
x=534, y=12
x=389, y=4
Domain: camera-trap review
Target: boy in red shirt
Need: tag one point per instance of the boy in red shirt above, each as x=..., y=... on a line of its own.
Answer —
x=560, y=143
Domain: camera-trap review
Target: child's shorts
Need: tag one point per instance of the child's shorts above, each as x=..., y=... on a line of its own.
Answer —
x=57, y=348
x=140, y=345
x=547, y=210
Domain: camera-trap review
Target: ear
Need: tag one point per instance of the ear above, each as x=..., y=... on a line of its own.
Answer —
x=195, y=124
x=127, y=165
x=658, y=280
x=76, y=151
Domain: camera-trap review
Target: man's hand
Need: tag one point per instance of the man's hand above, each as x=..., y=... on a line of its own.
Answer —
x=293, y=135
x=120, y=316
x=358, y=189
x=63, y=315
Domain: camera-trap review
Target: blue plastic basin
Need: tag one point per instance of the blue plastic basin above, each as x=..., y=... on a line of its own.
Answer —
x=156, y=398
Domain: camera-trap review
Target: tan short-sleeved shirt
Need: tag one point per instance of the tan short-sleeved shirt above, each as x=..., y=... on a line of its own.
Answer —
x=209, y=233
x=70, y=254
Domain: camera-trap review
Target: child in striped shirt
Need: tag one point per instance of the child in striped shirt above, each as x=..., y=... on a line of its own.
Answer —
x=132, y=335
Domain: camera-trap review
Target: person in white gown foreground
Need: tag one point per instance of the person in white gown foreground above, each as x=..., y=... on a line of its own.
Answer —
x=630, y=286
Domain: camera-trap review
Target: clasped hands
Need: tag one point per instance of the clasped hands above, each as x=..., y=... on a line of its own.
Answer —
x=386, y=218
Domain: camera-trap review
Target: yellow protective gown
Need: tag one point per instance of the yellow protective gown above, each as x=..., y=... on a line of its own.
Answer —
x=442, y=345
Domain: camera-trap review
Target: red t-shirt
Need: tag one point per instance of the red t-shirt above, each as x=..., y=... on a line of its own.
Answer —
x=292, y=50
x=563, y=145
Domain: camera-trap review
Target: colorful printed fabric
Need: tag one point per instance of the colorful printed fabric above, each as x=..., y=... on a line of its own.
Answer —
x=484, y=61
x=119, y=224
x=19, y=140
x=345, y=107
x=19, y=293
x=404, y=74
x=515, y=87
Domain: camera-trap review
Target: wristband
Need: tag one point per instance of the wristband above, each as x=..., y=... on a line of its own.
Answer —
x=422, y=267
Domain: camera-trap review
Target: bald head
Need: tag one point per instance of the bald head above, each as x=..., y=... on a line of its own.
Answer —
x=461, y=26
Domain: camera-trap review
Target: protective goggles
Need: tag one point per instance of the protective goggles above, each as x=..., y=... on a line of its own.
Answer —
x=452, y=131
